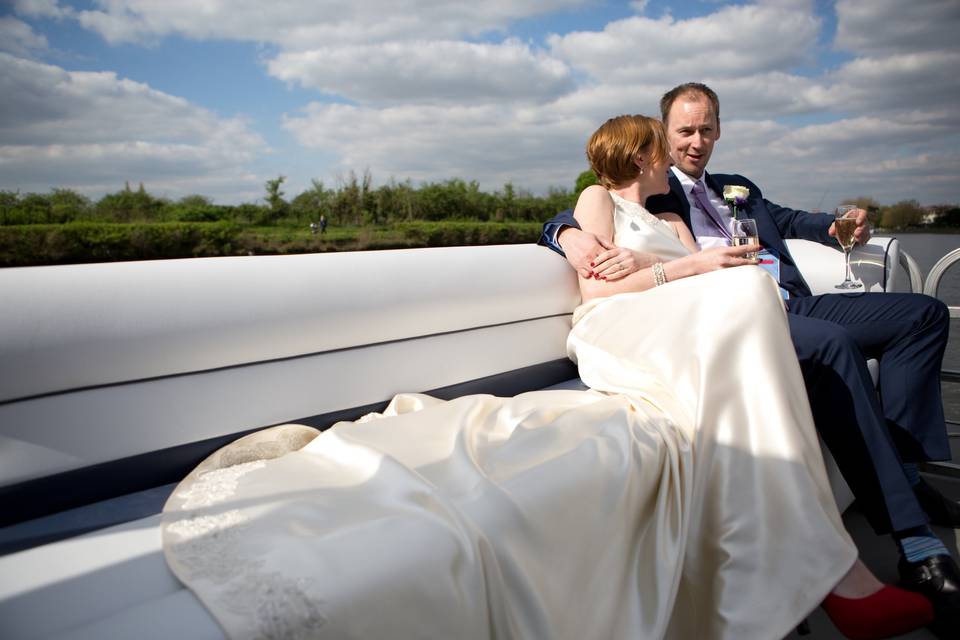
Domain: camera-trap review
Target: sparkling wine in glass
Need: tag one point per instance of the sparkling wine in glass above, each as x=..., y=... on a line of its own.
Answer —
x=745, y=232
x=845, y=223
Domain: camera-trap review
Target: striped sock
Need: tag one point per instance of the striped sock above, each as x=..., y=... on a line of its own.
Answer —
x=912, y=471
x=919, y=543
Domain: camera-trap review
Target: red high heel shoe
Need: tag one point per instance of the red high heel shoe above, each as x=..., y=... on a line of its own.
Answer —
x=888, y=612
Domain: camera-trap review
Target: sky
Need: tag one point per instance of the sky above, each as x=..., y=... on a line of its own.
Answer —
x=820, y=100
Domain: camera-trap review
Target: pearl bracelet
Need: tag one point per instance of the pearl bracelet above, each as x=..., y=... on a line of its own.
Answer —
x=659, y=277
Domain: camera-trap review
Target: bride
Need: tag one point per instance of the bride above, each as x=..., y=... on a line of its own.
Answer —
x=683, y=496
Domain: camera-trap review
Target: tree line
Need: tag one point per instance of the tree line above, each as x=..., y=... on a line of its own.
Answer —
x=66, y=227
x=908, y=214
x=354, y=202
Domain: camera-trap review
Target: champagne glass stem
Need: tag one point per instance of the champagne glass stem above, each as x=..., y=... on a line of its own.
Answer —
x=848, y=277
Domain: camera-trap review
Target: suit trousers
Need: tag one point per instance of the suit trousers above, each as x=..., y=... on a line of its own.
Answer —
x=870, y=433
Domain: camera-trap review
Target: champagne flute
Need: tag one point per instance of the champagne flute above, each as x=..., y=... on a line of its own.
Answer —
x=745, y=232
x=845, y=223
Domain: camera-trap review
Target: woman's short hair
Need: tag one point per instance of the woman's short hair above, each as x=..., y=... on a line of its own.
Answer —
x=613, y=148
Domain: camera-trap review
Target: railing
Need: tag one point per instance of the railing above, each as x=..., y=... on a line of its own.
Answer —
x=936, y=274
x=931, y=287
x=913, y=270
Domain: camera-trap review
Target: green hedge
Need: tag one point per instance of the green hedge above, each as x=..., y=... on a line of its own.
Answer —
x=77, y=242
x=452, y=234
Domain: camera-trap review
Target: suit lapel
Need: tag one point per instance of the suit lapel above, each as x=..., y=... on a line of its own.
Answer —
x=715, y=185
x=684, y=209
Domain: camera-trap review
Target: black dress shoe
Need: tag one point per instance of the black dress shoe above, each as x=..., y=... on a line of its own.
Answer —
x=941, y=509
x=938, y=578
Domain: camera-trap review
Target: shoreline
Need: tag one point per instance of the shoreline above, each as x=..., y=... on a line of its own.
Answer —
x=912, y=230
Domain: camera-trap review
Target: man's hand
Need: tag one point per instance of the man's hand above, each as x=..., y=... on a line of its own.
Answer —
x=618, y=262
x=861, y=234
x=582, y=249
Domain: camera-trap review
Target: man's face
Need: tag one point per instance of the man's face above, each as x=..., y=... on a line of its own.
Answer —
x=692, y=129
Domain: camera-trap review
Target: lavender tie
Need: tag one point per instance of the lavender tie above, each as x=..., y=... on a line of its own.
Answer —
x=712, y=215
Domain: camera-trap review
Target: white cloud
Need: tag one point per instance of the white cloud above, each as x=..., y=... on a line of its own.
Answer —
x=732, y=42
x=41, y=9
x=60, y=128
x=310, y=23
x=18, y=37
x=891, y=26
x=817, y=165
x=430, y=100
x=171, y=170
x=428, y=71
x=494, y=144
x=897, y=81
x=856, y=136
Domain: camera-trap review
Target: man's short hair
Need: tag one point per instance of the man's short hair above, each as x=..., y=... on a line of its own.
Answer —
x=613, y=148
x=688, y=89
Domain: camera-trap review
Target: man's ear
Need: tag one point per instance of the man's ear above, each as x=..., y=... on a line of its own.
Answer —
x=718, y=129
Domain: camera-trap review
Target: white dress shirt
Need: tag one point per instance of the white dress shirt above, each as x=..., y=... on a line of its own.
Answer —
x=704, y=242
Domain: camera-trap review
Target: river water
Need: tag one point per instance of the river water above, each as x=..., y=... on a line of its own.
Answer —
x=926, y=249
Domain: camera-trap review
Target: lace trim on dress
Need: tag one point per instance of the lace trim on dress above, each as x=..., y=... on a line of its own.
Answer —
x=636, y=210
x=216, y=486
x=202, y=542
x=208, y=549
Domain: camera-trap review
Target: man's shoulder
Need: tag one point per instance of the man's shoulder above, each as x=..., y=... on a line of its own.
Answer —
x=736, y=179
x=669, y=201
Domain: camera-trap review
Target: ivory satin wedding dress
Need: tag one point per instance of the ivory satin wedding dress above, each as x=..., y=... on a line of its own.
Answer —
x=684, y=496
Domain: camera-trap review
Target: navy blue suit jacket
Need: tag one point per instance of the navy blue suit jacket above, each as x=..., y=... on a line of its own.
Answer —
x=774, y=223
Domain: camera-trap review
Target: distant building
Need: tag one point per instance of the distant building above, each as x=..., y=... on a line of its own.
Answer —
x=931, y=216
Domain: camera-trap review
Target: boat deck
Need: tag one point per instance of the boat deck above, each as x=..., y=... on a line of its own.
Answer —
x=877, y=551
x=879, y=554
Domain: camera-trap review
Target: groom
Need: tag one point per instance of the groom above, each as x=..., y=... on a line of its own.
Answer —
x=876, y=441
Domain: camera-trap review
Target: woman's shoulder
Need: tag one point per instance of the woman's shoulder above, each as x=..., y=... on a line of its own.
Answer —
x=595, y=192
x=594, y=207
x=595, y=199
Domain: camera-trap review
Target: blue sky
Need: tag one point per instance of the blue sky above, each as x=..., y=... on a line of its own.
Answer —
x=820, y=100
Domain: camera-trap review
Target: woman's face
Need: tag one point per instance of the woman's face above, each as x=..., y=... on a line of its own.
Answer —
x=656, y=176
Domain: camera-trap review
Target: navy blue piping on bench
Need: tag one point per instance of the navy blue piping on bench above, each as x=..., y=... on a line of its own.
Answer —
x=78, y=487
x=886, y=264
x=298, y=356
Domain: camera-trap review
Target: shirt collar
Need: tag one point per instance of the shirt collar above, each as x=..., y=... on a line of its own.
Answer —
x=688, y=183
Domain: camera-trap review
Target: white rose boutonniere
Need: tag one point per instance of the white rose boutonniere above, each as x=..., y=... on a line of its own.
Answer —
x=735, y=196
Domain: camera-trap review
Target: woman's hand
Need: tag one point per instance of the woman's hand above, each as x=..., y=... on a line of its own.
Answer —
x=724, y=257
x=619, y=262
